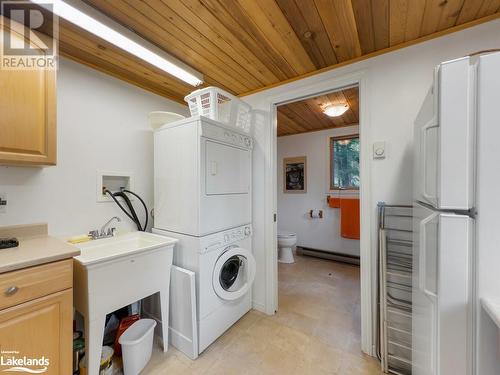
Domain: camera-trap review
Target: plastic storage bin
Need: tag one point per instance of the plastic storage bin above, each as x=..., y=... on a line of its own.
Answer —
x=137, y=346
x=221, y=106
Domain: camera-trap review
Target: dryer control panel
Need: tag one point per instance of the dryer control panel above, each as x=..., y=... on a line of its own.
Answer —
x=227, y=237
x=225, y=135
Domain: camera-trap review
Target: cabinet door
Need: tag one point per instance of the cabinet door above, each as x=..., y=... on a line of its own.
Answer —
x=28, y=113
x=39, y=330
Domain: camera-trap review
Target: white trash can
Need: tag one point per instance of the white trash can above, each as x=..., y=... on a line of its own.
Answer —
x=137, y=346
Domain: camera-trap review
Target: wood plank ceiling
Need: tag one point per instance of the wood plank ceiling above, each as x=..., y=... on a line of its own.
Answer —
x=246, y=45
x=307, y=115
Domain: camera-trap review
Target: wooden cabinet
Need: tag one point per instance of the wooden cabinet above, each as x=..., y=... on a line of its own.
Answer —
x=27, y=112
x=39, y=329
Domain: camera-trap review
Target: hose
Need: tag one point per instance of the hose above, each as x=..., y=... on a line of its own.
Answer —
x=143, y=205
x=119, y=204
x=131, y=208
x=132, y=215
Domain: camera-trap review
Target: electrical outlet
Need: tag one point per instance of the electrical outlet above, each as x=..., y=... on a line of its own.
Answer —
x=3, y=203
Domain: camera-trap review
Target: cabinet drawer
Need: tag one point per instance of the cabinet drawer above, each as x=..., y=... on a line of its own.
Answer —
x=27, y=284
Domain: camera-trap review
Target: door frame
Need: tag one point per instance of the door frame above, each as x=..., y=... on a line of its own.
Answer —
x=367, y=257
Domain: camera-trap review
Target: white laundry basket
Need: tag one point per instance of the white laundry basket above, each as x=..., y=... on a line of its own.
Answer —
x=219, y=105
x=137, y=346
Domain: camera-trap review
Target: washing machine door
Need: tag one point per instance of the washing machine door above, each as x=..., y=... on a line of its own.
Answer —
x=234, y=273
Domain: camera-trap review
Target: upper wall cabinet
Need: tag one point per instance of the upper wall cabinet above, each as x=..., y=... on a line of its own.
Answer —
x=27, y=109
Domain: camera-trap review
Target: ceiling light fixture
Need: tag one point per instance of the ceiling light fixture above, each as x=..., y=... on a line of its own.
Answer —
x=335, y=110
x=101, y=26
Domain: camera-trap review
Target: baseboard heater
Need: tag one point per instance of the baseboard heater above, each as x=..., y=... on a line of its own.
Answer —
x=331, y=255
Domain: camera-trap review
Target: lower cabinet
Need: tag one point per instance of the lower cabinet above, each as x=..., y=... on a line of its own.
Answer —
x=37, y=334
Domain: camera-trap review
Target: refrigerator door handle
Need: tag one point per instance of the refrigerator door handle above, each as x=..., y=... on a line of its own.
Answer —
x=430, y=295
x=422, y=271
x=423, y=158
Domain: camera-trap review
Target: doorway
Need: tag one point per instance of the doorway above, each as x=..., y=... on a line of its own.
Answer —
x=318, y=181
x=367, y=265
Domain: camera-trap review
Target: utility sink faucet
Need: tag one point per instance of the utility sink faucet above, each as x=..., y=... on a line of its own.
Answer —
x=103, y=232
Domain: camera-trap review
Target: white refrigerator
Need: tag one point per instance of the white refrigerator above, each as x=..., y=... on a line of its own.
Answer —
x=453, y=135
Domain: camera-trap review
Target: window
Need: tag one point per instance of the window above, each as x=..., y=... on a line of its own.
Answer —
x=344, y=162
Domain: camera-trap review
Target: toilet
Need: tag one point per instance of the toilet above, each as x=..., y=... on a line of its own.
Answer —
x=286, y=242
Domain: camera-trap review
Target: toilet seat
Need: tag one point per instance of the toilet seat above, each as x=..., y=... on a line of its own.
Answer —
x=285, y=234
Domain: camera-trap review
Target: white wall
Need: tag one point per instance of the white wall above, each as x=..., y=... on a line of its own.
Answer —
x=396, y=84
x=102, y=124
x=320, y=234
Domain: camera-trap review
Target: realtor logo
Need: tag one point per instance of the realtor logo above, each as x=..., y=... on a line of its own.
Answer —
x=28, y=39
x=10, y=361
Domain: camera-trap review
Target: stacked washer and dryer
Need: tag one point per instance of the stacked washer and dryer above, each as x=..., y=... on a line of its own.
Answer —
x=203, y=178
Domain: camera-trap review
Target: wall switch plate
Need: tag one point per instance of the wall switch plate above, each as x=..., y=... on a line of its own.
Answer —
x=3, y=203
x=379, y=150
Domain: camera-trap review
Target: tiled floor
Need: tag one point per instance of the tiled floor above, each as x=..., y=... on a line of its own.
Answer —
x=316, y=331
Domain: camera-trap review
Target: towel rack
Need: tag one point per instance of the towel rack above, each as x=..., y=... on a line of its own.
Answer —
x=395, y=259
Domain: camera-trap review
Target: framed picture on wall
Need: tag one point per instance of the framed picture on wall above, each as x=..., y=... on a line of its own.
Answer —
x=295, y=175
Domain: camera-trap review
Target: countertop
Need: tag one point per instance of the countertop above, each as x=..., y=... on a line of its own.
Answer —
x=35, y=248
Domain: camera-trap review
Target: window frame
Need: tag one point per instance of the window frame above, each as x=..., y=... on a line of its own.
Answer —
x=331, y=155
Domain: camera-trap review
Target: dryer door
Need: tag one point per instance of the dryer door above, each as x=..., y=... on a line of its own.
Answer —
x=234, y=273
x=228, y=169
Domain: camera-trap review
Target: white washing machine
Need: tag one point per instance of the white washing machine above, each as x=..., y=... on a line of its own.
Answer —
x=203, y=177
x=225, y=271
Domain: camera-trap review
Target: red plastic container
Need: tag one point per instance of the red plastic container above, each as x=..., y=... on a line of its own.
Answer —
x=124, y=324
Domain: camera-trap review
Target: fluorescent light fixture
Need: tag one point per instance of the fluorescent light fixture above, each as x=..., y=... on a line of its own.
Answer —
x=335, y=110
x=123, y=40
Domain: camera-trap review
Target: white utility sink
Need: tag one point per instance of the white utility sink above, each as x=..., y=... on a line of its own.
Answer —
x=114, y=272
x=107, y=249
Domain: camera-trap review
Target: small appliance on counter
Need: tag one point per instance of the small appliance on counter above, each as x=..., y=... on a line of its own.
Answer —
x=7, y=243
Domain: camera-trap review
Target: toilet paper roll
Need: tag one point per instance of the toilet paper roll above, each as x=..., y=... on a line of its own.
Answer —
x=316, y=214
